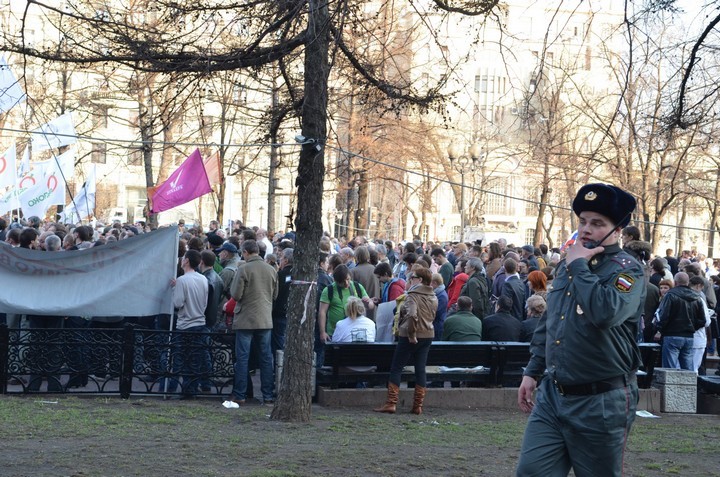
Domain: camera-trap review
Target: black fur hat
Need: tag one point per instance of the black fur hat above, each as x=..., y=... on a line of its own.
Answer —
x=605, y=199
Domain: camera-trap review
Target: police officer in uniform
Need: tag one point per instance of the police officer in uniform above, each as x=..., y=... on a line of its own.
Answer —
x=586, y=341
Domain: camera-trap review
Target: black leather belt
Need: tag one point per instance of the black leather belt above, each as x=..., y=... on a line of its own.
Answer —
x=598, y=387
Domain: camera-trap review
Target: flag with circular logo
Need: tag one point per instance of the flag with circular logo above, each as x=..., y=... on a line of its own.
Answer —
x=7, y=167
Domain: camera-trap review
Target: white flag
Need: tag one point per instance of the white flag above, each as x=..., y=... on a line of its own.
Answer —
x=10, y=91
x=8, y=167
x=9, y=201
x=46, y=185
x=83, y=204
x=24, y=163
x=56, y=133
x=60, y=170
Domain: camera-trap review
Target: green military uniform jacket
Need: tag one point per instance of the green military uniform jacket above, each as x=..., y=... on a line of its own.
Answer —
x=593, y=314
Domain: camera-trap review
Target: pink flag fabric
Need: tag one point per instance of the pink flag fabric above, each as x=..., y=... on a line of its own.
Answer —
x=188, y=182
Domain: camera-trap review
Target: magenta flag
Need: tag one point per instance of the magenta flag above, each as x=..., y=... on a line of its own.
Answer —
x=188, y=182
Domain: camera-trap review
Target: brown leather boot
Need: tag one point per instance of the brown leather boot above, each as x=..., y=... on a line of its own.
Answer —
x=418, y=399
x=392, y=399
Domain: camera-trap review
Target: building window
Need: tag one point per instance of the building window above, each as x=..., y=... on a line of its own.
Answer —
x=529, y=236
x=98, y=155
x=100, y=116
x=456, y=232
x=424, y=233
x=477, y=83
x=588, y=59
x=532, y=208
x=497, y=201
x=484, y=84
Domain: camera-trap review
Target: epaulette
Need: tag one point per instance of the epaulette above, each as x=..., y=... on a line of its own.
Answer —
x=625, y=260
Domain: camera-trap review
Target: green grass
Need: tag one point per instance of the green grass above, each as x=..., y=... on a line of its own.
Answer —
x=202, y=438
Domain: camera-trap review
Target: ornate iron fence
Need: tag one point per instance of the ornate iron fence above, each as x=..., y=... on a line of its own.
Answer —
x=125, y=361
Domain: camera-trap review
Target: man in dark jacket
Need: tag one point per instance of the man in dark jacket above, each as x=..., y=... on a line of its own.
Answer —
x=279, y=311
x=502, y=326
x=672, y=261
x=679, y=309
x=514, y=288
x=476, y=287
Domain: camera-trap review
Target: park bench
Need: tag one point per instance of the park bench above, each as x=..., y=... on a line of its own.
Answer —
x=501, y=361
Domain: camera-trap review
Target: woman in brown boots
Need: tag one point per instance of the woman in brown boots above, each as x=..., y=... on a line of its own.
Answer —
x=415, y=334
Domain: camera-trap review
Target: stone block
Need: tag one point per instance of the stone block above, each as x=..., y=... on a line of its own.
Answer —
x=450, y=398
x=675, y=376
x=678, y=390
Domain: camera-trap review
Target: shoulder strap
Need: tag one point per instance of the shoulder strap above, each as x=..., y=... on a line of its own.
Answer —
x=357, y=289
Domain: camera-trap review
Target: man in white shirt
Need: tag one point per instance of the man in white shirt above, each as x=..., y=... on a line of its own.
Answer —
x=261, y=235
x=190, y=297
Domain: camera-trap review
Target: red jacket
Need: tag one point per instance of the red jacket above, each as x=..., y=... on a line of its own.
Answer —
x=455, y=287
x=396, y=289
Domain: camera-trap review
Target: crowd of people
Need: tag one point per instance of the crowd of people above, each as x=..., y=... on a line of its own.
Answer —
x=238, y=280
x=583, y=310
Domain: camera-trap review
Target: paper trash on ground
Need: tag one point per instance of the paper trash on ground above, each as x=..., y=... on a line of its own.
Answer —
x=646, y=414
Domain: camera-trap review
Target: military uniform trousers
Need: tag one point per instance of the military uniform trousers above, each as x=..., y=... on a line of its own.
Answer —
x=585, y=432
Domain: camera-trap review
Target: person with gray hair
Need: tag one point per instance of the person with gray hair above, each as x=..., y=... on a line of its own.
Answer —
x=348, y=257
x=535, y=308
x=261, y=236
x=382, y=253
x=476, y=287
x=53, y=243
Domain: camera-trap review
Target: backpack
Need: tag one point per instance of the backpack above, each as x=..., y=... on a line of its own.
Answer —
x=332, y=287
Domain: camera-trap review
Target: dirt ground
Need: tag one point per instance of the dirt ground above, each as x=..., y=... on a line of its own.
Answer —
x=80, y=437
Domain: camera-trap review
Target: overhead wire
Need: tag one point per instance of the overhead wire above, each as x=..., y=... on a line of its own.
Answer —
x=350, y=155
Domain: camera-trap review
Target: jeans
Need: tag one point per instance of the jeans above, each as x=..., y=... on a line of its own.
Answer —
x=403, y=351
x=190, y=358
x=243, y=341
x=677, y=352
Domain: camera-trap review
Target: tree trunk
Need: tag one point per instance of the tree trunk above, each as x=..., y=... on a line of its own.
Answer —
x=363, y=225
x=295, y=393
x=544, y=195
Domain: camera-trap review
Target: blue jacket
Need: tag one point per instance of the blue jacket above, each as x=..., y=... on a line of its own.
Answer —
x=441, y=313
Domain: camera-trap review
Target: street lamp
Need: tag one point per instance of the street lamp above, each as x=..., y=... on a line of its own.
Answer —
x=463, y=163
x=261, y=209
